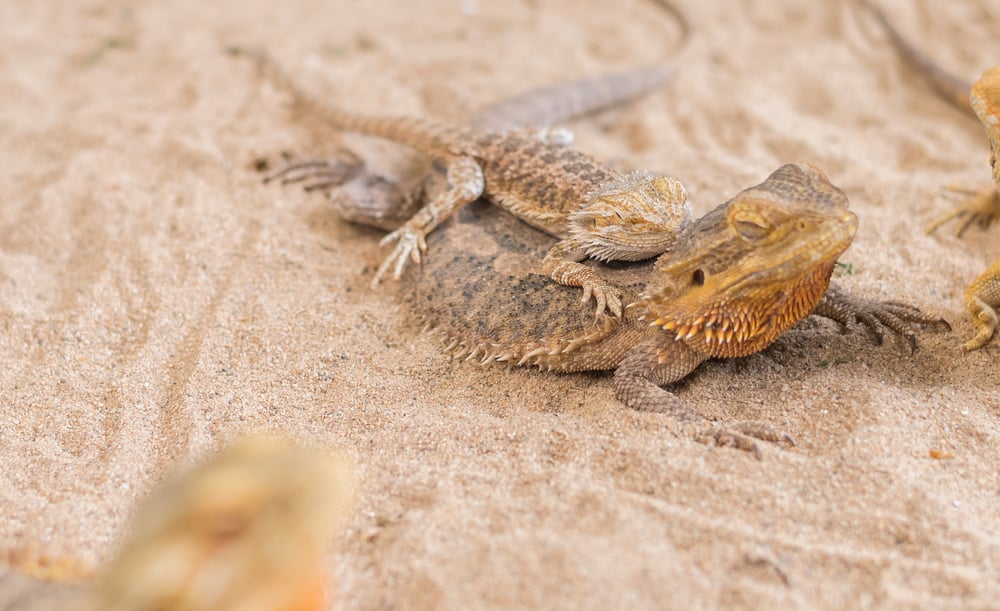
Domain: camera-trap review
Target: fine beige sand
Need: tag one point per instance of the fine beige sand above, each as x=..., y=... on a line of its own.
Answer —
x=157, y=300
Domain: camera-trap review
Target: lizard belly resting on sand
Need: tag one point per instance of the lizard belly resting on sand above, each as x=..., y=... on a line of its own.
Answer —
x=736, y=279
x=982, y=297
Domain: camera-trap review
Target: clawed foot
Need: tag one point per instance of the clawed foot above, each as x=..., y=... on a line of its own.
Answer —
x=877, y=316
x=982, y=208
x=410, y=245
x=606, y=296
x=986, y=321
x=319, y=173
x=744, y=436
x=982, y=298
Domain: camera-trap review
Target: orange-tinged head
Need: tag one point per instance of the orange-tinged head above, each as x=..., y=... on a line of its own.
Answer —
x=753, y=267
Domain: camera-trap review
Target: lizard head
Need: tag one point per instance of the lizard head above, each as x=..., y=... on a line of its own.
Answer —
x=633, y=218
x=753, y=267
x=985, y=101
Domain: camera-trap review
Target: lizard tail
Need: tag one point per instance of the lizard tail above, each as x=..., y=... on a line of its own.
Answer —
x=425, y=135
x=552, y=104
x=951, y=88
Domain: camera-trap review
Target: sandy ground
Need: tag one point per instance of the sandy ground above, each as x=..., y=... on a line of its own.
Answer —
x=156, y=300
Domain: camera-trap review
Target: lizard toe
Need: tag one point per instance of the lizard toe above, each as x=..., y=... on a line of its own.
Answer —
x=318, y=173
x=878, y=316
x=745, y=436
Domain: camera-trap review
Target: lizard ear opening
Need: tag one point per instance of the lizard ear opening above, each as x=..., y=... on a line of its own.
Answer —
x=698, y=277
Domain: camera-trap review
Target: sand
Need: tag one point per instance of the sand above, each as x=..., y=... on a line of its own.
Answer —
x=156, y=300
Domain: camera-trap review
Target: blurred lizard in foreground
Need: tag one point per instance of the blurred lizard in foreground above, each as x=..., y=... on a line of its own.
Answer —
x=367, y=198
x=245, y=531
x=982, y=297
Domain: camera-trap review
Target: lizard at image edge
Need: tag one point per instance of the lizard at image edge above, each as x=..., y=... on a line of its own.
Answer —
x=246, y=528
x=982, y=100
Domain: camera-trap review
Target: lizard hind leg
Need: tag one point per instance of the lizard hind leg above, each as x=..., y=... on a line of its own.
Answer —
x=465, y=185
x=318, y=172
x=663, y=360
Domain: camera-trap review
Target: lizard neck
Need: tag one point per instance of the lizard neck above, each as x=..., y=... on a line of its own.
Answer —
x=733, y=328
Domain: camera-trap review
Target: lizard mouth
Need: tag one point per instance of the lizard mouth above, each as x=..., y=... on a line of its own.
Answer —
x=736, y=312
x=748, y=322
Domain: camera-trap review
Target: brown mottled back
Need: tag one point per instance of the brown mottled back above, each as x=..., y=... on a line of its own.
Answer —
x=481, y=285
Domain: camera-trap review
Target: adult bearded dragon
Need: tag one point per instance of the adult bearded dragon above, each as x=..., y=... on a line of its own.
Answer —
x=736, y=279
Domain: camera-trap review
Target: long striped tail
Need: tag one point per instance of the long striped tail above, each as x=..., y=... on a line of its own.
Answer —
x=425, y=135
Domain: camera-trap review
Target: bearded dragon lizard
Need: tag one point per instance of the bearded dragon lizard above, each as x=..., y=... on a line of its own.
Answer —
x=367, y=198
x=247, y=529
x=364, y=197
x=735, y=280
x=597, y=211
x=982, y=297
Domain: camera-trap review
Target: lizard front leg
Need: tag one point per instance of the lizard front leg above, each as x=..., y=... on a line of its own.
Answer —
x=562, y=264
x=663, y=360
x=982, y=298
x=465, y=185
x=633, y=218
x=838, y=305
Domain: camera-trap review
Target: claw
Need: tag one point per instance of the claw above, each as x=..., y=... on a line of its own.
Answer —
x=605, y=296
x=744, y=436
x=877, y=316
x=320, y=173
x=410, y=244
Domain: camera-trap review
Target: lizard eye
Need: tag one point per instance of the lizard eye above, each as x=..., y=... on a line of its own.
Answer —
x=748, y=222
x=751, y=230
x=698, y=277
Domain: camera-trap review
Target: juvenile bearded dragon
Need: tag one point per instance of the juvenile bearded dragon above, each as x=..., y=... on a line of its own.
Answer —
x=597, y=211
